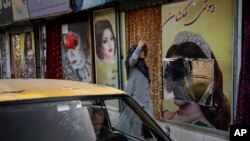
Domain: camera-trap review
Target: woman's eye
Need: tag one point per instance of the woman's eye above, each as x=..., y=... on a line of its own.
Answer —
x=105, y=41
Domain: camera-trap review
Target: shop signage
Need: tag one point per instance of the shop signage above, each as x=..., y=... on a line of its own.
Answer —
x=79, y=5
x=20, y=10
x=38, y=8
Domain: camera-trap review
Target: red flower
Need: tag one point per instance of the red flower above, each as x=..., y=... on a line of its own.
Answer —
x=71, y=41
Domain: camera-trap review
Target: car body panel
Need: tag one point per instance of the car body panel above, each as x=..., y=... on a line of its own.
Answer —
x=65, y=108
x=26, y=89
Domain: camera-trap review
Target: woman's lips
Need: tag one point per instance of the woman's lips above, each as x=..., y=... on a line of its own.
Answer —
x=110, y=50
x=73, y=62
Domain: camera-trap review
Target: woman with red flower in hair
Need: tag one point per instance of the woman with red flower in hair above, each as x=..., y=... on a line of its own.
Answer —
x=76, y=61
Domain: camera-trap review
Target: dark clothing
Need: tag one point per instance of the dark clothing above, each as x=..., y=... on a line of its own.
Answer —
x=103, y=133
x=106, y=135
x=140, y=64
x=138, y=82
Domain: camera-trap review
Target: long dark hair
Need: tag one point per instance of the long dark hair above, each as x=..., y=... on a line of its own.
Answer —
x=218, y=115
x=26, y=49
x=79, y=29
x=100, y=26
x=141, y=65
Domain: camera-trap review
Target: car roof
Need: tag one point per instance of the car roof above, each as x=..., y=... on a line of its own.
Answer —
x=25, y=89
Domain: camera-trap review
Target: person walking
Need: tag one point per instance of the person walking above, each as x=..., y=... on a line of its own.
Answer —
x=138, y=75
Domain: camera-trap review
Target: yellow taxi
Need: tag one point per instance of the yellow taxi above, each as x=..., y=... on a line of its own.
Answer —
x=63, y=110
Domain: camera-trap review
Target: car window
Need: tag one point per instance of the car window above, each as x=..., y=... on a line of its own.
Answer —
x=127, y=121
x=54, y=121
x=93, y=119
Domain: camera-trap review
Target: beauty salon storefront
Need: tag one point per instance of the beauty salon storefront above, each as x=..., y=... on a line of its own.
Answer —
x=75, y=27
x=214, y=94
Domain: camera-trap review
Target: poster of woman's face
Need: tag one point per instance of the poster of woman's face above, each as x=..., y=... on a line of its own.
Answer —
x=29, y=60
x=188, y=80
x=23, y=54
x=76, y=60
x=185, y=35
x=105, y=41
x=105, y=47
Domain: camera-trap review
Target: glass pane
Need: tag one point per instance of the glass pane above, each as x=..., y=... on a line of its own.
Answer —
x=128, y=122
x=57, y=121
x=113, y=110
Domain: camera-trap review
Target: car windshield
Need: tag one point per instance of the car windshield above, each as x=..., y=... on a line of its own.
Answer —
x=77, y=120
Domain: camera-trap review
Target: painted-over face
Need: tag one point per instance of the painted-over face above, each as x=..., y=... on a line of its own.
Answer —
x=108, y=44
x=176, y=87
x=76, y=55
